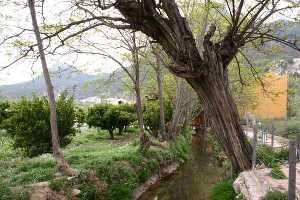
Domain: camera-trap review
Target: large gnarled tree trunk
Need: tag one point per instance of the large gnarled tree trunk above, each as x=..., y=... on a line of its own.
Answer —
x=207, y=75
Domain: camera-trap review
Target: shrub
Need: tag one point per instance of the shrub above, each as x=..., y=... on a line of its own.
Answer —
x=4, y=111
x=126, y=116
x=223, y=191
x=119, y=191
x=275, y=195
x=110, y=117
x=152, y=116
x=293, y=127
x=277, y=173
x=29, y=124
x=80, y=116
x=267, y=156
x=57, y=184
x=5, y=192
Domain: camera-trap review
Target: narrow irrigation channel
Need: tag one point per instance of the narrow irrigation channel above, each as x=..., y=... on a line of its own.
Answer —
x=194, y=180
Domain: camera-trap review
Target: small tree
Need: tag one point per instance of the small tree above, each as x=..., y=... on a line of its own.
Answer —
x=29, y=124
x=110, y=117
x=102, y=116
x=152, y=115
x=126, y=116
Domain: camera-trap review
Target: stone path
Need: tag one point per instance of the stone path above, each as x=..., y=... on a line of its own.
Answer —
x=256, y=183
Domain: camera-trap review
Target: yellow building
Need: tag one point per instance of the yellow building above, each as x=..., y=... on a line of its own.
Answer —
x=272, y=99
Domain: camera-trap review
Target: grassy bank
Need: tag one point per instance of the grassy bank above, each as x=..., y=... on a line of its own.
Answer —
x=110, y=169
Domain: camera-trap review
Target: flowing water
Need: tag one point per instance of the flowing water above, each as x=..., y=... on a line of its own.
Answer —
x=193, y=181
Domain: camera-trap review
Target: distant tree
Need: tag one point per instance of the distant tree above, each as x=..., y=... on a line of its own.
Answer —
x=80, y=116
x=4, y=113
x=294, y=96
x=126, y=116
x=110, y=117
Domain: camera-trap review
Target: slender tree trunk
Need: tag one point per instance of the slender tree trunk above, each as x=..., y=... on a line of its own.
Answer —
x=161, y=103
x=157, y=69
x=62, y=165
x=144, y=140
x=111, y=134
x=177, y=121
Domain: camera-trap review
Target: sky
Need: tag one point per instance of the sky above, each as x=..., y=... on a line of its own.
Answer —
x=26, y=70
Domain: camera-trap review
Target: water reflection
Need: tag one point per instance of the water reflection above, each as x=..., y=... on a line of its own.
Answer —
x=193, y=181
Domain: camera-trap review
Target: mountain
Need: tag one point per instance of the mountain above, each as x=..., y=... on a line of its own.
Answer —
x=80, y=84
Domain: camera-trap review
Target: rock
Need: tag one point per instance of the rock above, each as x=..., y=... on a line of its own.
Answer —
x=75, y=192
x=41, y=191
x=251, y=185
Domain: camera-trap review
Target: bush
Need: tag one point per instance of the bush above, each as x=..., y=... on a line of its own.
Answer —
x=223, y=191
x=110, y=117
x=57, y=184
x=293, y=127
x=152, y=116
x=275, y=195
x=5, y=192
x=267, y=156
x=29, y=124
x=80, y=116
x=277, y=173
x=4, y=111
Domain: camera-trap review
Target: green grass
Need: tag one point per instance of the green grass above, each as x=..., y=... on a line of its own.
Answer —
x=277, y=173
x=118, y=163
x=276, y=195
x=267, y=156
x=223, y=191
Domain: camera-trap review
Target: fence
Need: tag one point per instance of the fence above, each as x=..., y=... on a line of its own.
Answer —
x=260, y=135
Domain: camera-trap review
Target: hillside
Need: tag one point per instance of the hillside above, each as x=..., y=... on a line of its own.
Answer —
x=80, y=84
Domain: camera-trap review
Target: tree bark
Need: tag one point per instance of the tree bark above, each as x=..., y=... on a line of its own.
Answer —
x=219, y=105
x=161, y=104
x=144, y=139
x=62, y=165
x=207, y=74
x=111, y=134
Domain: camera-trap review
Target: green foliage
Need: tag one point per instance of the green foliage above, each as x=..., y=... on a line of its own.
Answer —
x=277, y=173
x=80, y=116
x=294, y=127
x=275, y=195
x=267, y=156
x=152, y=116
x=57, y=184
x=117, y=163
x=223, y=191
x=110, y=117
x=29, y=124
x=293, y=96
x=5, y=192
x=4, y=111
x=119, y=191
